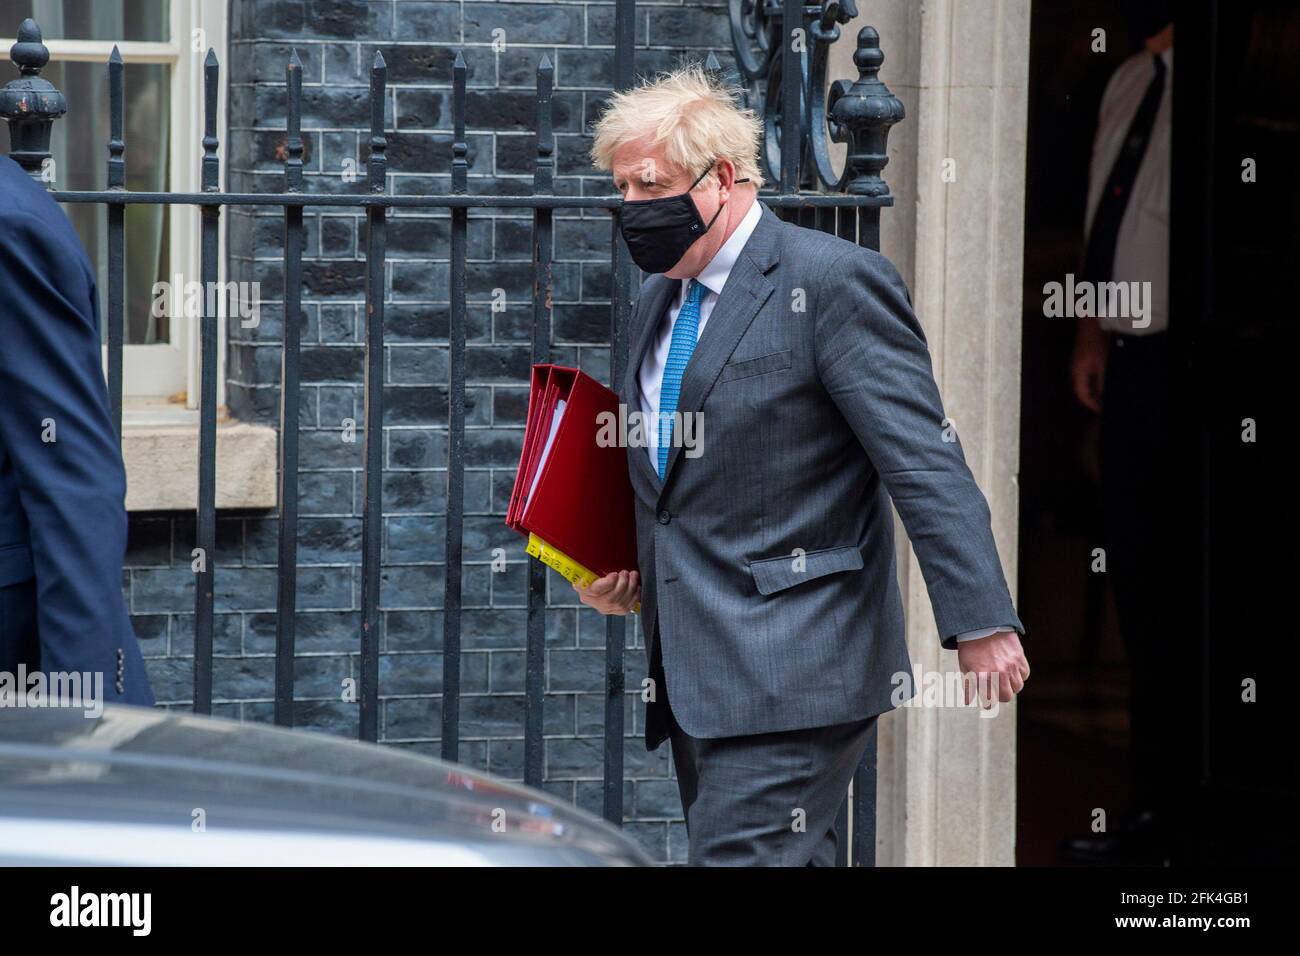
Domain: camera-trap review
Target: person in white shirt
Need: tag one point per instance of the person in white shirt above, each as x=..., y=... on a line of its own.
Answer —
x=1120, y=370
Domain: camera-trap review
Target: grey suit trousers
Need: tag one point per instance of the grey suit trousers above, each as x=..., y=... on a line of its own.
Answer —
x=766, y=799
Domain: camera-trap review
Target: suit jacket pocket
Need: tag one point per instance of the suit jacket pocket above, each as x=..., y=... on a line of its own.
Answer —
x=772, y=362
x=786, y=570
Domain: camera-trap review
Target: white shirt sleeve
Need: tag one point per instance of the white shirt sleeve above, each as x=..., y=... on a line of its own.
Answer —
x=982, y=632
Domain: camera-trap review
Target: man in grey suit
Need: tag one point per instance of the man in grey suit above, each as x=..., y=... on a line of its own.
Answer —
x=789, y=396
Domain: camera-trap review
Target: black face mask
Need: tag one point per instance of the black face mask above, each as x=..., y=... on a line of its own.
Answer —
x=659, y=231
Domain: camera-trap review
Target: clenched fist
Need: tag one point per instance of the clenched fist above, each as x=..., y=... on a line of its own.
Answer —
x=998, y=663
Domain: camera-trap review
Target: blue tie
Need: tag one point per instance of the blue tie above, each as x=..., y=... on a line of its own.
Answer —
x=679, y=353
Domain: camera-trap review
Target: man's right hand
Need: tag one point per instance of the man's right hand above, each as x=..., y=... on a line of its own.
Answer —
x=615, y=593
x=1088, y=366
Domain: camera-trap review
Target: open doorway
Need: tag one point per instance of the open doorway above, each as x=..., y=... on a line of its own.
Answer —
x=1233, y=210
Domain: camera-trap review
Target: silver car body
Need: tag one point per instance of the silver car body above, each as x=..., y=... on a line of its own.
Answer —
x=138, y=786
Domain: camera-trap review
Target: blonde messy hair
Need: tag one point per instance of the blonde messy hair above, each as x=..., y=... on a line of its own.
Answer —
x=693, y=115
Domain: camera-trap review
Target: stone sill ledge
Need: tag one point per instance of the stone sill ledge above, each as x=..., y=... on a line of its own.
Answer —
x=160, y=448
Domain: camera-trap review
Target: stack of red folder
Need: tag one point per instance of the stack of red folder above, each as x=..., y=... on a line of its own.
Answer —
x=571, y=491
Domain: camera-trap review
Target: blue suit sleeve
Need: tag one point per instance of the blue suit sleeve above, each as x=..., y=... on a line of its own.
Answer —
x=56, y=429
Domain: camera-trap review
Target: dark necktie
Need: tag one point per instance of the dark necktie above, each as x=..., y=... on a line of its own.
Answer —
x=1099, y=259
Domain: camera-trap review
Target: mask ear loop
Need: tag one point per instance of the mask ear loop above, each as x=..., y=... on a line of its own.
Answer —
x=702, y=175
x=719, y=212
x=706, y=172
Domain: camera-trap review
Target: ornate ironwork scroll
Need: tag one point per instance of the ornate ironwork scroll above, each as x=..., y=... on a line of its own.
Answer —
x=858, y=113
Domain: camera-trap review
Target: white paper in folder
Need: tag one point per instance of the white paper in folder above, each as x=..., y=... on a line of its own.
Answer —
x=546, y=449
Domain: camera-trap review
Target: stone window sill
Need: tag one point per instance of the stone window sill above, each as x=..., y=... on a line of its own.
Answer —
x=160, y=447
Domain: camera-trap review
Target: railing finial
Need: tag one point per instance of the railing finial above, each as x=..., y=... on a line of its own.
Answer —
x=30, y=103
x=867, y=110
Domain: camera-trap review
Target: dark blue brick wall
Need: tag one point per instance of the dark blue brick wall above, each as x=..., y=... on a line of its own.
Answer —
x=337, y=40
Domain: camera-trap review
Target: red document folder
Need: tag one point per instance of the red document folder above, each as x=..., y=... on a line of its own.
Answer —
x=570, y=490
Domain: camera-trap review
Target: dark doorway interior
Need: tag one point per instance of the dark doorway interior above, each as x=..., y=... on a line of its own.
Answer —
x=1233, y=318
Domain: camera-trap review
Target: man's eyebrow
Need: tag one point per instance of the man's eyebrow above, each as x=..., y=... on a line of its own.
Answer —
x=646, y=176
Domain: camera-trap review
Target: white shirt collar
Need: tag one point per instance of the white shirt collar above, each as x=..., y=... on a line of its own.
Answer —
x=714, y=275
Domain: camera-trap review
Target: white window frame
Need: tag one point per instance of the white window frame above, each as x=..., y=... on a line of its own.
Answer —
x=154, y=373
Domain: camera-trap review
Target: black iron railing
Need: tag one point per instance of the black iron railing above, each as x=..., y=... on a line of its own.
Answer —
x=781, y=49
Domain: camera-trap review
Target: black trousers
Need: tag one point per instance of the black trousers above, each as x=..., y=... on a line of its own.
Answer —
x=1137, y=479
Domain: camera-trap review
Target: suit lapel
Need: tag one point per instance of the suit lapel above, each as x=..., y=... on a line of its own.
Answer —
x=658, y=292
x=746, y=289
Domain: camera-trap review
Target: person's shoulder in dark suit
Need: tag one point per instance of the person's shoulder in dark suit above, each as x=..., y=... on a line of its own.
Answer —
x=23, y=197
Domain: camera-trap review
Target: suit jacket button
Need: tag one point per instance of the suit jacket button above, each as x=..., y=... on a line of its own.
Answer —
x=665, y=517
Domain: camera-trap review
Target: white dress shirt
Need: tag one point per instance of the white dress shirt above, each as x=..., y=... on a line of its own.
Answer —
x=650, y=376
x=1142, y=245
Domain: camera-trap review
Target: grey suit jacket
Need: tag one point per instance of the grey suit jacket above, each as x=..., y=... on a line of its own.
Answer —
x=767, y=562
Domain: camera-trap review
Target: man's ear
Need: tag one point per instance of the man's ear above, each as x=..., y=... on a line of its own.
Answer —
x=728, y=180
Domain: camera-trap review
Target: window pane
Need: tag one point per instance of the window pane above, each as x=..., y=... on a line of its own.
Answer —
x=112, y=20
x=79, y=146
